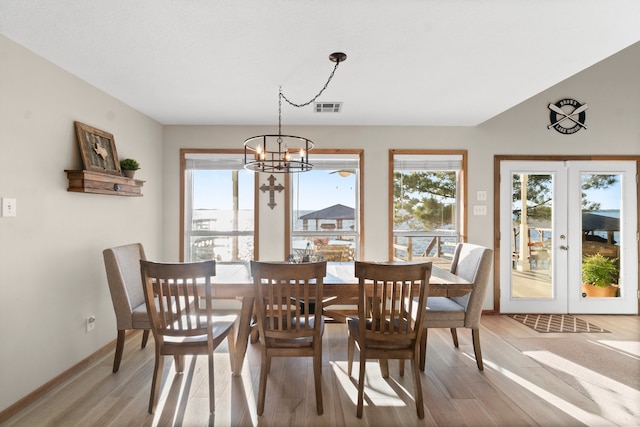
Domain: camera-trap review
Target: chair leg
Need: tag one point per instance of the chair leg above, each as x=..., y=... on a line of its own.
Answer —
x=350, y=350
x=119, y=349
x=363, y=362
x=317, y=377
x=212, y=393
x=268, y=365
x=155, y=383
x=384, y=367
x=262, y=388
x=179, y=361
x=416, y=379
x=145, y=337
x=454, y=335
x=423, y=349
x=475, y=334
x=231, y=343
x=401, y=367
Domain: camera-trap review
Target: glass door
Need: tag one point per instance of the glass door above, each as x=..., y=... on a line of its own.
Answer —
x=533, y=232
x=553, y=215
x=605, y=205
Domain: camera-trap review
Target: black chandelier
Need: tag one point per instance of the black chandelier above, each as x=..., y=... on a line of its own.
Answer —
x=284, y=153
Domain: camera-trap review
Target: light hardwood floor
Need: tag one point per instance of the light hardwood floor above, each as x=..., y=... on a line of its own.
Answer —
x=530, y=379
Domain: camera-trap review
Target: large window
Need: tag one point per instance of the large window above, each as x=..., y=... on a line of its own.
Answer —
x=219, y=214
x=426, y=204
x=325, y=207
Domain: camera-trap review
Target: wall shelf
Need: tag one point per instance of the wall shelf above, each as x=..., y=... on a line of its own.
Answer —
x=83, y=181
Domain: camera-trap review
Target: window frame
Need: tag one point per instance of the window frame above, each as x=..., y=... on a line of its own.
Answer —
x=289, y=234
x=184, y=152
x=461, y=193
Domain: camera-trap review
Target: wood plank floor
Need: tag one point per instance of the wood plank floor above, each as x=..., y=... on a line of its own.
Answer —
x=530, y=379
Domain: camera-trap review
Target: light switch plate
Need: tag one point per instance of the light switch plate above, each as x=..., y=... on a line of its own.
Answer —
x=8, y=207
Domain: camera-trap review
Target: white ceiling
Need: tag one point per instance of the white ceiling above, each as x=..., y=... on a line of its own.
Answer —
x=410, y=62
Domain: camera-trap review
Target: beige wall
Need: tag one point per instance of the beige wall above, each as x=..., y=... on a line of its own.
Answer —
x=610, y=88
x=51, y=271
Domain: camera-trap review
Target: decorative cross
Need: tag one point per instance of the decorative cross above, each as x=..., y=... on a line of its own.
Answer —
x=271, y=188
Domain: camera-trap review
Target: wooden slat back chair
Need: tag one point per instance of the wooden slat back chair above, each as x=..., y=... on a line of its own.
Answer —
x=285, y=329
x=122, y=264
x=180, y=325
x=473, y=263
x=392, y=301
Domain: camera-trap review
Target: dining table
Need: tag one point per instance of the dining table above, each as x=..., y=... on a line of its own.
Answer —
x=340, y=289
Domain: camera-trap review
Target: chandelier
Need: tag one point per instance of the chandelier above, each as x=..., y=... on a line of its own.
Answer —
x=284, y=153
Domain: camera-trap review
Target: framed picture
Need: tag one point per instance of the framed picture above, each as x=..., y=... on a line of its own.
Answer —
x=98, y=149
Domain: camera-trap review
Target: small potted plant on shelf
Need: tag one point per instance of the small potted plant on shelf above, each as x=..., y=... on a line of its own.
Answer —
x=600, y=276
x=129, y=167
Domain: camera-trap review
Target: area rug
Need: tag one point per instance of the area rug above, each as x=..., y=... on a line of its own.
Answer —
x=546, y=323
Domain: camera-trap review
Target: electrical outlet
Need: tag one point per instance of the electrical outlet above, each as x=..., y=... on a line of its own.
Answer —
x=91, y=323
x=481, y=195
x=479, y=210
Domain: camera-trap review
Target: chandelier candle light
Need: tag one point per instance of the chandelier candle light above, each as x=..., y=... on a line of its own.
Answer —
x=284, y=153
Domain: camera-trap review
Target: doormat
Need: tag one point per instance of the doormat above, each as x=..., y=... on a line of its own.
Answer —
x=545, y=323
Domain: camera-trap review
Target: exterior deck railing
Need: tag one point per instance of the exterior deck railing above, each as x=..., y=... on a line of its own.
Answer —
x=437, y=248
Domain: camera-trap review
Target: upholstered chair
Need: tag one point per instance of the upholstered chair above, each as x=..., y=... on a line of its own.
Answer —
x=122, y=264
x=473, y=263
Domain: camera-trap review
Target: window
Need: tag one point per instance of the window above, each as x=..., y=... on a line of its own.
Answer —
x=219, y=213
x=325, y=207
x=426, y=204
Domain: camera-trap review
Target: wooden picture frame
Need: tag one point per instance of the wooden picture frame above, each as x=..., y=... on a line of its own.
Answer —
x=98, y=150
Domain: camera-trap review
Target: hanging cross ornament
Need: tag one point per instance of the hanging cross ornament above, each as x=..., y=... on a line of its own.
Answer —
x=271, y=188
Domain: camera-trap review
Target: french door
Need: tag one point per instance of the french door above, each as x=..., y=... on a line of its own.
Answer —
x=552, y=214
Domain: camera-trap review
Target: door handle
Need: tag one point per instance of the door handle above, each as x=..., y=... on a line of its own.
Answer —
x=564, y=248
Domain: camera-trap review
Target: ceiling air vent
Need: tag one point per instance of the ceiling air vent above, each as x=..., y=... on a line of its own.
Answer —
x=327, y=107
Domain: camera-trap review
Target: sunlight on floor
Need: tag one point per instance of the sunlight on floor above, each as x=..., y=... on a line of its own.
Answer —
x=189, y=391
x=251, y=397
x=628, y=348
x=567, y=407
x=616, y=401
x=377, y=391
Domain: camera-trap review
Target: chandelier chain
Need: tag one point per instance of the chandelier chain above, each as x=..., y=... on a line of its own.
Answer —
x=319, y=93
x=280, y=111
x=284, y=153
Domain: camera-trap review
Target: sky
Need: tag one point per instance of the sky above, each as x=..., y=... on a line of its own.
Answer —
x=321, y=189
x=608, y=198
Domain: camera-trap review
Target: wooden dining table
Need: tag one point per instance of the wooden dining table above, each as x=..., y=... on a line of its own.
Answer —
x=340, y=288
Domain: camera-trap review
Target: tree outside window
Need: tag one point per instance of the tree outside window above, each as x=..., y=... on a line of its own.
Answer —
x=426, y=204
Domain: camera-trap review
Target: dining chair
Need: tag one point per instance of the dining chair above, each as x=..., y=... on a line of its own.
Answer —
x=285, y=329
x=122, y=264
x=392, y=300
x=183, y=320
x=473, y=263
